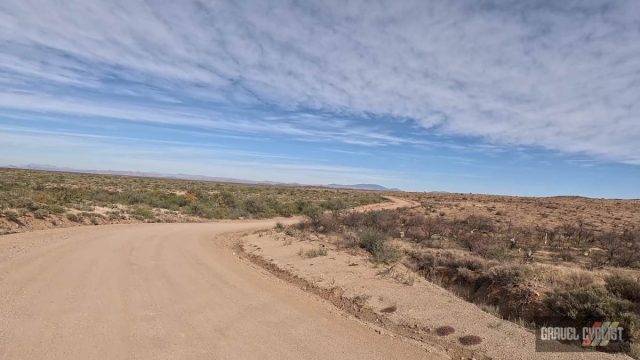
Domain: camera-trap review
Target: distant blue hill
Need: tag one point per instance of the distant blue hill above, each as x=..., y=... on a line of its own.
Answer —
x=362, y=187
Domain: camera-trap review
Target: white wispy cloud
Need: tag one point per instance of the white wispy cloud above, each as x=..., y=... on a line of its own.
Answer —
x=560, y=75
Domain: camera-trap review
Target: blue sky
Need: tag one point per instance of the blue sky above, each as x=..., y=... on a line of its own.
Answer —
x=509, y=97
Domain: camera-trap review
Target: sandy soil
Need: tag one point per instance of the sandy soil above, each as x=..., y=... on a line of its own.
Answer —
x=167, y=291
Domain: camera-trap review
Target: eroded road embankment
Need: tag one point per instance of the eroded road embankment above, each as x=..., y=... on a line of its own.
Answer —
x=165, y=291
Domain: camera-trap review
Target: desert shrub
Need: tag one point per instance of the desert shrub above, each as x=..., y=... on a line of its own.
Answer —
x=566, y=255
x=382, y=220
x=279, y=227
x=56, y=209
x=372, y=240
x=386, y=221
x=353, y=219
x=624, y=286
x=387, y=254
x=348, y=241
x=577, y=233
x=33, y=206
x=315, y=252
x=114, y=215
x=312, y=212
x=11, y=215
x=142, y=213
x=375, y=242
x=416, y=233
x=624, y=249
x=487, y=246
x=73, y=217
x=421, y=228
x=335, y=205
x=586, y=305
x=510, y=275
x=40, y=213
x=197, y=209
x=470, y=240
x=476, y=223
x=228, y=199
x=497, y=252
x=255, y=206
x=416, y=220
x=578, y=279
x=84, y=207
x=326, y=223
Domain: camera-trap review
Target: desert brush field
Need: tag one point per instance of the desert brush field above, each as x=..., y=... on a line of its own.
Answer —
x=374, y=274
x=526, y=260
x=32, y=200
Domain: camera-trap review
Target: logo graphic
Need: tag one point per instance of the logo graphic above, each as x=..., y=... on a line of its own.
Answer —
x=600, y=335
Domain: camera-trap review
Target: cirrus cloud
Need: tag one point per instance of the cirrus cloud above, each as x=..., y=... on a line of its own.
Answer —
x=560, y=75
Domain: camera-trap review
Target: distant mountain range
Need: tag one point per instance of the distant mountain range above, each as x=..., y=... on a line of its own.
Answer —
x=375, y=187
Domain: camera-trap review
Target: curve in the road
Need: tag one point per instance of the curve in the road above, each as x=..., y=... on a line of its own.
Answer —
x=165, y=291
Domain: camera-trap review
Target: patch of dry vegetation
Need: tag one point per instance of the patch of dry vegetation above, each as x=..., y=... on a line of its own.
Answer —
x=40, y=199
x=561, y=270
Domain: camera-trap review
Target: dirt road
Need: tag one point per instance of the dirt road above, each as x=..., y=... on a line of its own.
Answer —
x=165, y=291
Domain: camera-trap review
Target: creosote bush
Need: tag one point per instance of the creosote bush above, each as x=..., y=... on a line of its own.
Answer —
x=11, y=215
x=624, y=286
x=594, y=303
x=375, y=242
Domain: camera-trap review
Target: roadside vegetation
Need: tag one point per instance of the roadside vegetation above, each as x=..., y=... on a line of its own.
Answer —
x=562, y=270
x=40, y=199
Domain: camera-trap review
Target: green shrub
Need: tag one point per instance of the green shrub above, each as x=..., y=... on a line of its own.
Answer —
x=624, y=286
x=372, y=240
x=33, y=206
x=56, y=209
x=387, y=254
x=586, y=305
x=254, y=206
x=335, y=205
x=142, y=213
x=509, y=275
x=11, y=215
x=312, y=212
x=375, y=242
x=201, y=209
x=40, y=213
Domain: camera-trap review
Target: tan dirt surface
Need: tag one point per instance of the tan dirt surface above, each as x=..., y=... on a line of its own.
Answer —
x=167, y=291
